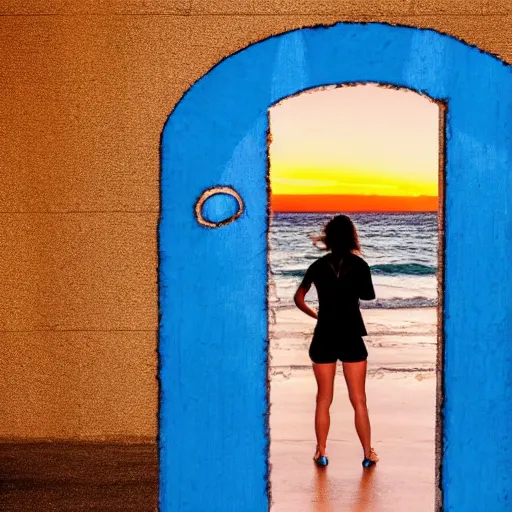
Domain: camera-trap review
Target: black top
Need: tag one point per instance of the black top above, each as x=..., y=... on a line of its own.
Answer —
x=339, y=291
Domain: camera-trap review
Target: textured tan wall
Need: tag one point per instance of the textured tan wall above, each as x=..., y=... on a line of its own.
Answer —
x=86, y=87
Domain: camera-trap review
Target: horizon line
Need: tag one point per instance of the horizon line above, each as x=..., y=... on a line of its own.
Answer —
x=353, y=195
x=398, y=212
x=309, y=203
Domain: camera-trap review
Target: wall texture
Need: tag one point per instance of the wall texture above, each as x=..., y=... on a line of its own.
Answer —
x=86, y=88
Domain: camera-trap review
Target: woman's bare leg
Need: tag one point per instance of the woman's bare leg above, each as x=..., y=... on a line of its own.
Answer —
x=324, y=374
x=355, y=376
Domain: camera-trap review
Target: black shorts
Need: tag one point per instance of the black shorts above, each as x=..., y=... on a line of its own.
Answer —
x=328, y=348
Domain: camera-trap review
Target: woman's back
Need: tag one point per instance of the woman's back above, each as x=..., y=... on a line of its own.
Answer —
x=339, y=288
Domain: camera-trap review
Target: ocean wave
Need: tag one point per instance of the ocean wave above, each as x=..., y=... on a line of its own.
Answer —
x=409, y=269
x=400, y=303
x=389, y=303
x=288, y=272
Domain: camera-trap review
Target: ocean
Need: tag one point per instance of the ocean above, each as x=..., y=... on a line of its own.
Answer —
x=401, y=250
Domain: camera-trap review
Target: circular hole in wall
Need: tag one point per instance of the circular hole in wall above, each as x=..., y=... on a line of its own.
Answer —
x=218, y=206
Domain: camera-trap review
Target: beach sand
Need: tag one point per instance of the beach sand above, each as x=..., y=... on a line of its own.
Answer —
x=401, y=393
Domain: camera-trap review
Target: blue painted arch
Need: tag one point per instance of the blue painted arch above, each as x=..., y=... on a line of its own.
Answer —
x=213, y=282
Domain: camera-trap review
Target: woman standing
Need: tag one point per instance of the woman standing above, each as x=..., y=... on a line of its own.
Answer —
x=341, y=278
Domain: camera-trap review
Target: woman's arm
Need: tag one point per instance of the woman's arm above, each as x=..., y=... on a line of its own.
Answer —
x=298, y=298
x=366, y=290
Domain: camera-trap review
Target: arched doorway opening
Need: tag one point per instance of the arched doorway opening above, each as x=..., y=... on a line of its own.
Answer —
x=375, y=153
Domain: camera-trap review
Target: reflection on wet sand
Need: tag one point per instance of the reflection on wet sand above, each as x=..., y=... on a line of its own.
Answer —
x=324, y=492
x=365, y=498
x=321, y=500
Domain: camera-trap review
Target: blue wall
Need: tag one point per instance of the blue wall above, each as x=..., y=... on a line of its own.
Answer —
x=212, y=282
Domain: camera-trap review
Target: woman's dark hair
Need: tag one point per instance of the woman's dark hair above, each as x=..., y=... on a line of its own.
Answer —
x=339, y=235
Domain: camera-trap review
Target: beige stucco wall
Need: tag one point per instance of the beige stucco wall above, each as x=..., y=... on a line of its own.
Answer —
x=85, y=90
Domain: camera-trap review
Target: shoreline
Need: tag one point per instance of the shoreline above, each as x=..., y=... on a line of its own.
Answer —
x=290, y=307
x=402, y=341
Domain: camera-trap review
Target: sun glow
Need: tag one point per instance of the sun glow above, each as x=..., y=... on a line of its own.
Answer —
x=365, y=140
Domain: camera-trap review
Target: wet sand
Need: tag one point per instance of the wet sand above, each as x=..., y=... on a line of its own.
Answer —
x=401, y=392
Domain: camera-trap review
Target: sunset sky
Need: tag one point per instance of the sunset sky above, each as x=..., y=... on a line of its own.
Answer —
x=362, y=148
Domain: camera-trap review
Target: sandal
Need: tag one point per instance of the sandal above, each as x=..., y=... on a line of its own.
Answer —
x=321, y=460
x=368, y=462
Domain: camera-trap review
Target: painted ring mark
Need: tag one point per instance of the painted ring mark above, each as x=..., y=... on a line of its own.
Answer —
x=210, y=192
